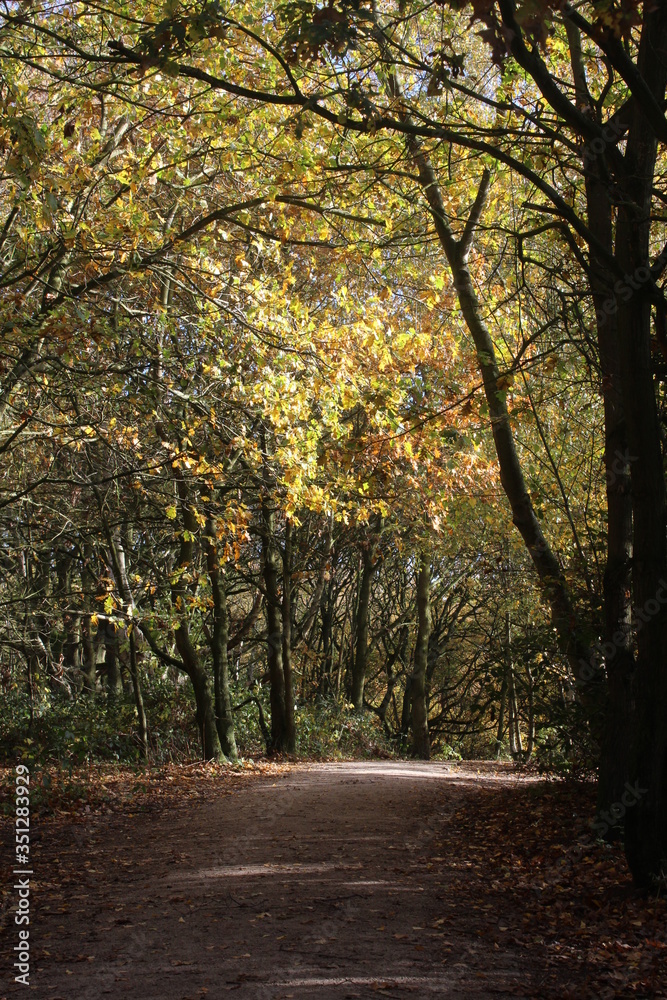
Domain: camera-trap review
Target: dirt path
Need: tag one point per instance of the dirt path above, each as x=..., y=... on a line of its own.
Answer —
x=329, y=881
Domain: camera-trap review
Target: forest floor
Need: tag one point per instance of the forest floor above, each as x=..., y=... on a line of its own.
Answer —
x=356, y=879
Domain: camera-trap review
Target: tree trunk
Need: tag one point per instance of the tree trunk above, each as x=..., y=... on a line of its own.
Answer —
x=531, y=714
x=511, y=722
x=142, y=723
x=290, y=731
x=646, y=818
x=70, y=649
x=516, y=746
x=501, y=716
x=360, y=663
x=274, y=640
x=518, y=743
x=111, y=662
x=117, y=552
x=327, y=614
x=383, y=708
x=88, y=659
x=205, y=706
x=219, y=639
x=420, y=740
x=616, y=729
x=406, y=709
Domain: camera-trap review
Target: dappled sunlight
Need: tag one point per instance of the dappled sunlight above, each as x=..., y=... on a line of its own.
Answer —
x=464, y=772
x=388, y=769
x=427, y=983
x=261, y=871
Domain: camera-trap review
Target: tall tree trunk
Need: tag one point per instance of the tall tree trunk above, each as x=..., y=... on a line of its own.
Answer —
x=224, y=716
x=516, y=746
x=205, y=706
x=383, y=707
x=531, y=713
x=341, y=653
x=142, y=722
x=420, y=740
x=205, y=709
x=290, y=731
x=360, y=663
x=511, y=720
x=646, y=819
x=70, y=649
x=518, y=742
x=501, y=716
x=119, y=565
x=112, y=662
x=274, y=640
x=326, y=611
x=42, y=626
x=619, y=663
x=31, y=672
x=88, y=658
x=406, y=710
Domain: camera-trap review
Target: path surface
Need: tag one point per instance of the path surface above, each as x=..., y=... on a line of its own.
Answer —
x=325, y=882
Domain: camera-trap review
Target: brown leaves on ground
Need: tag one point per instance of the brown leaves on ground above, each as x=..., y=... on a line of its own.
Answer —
x=64, y=793
x=528, y=858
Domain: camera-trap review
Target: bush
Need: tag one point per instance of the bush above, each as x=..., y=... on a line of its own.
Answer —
x=93, y=729
x=328, y=731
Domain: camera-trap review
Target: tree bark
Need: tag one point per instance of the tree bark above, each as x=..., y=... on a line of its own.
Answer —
x=290, y=732
x=205, y=706
x=326, y=611
x=274, y=639
x=530, y=746
x=224, y=716
x=117, y=552
x=420, y=738
x=205, y=710
x=360, y=663
x=646, y=820
x=501, y=716
x=616, y=729
x=142, y=722
x=111, y=662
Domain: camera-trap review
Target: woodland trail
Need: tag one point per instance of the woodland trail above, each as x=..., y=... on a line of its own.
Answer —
x=327, y=881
